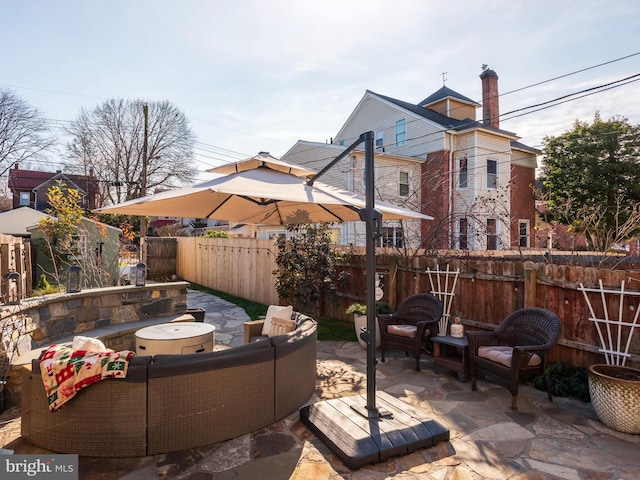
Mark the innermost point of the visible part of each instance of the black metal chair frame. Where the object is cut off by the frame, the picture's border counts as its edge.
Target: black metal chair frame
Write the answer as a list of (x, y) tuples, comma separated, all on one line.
[(529, 331), (421, 310)]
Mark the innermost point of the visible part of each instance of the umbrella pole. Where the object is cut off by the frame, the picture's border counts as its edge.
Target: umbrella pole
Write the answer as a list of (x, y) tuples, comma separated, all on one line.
[(373, 220)]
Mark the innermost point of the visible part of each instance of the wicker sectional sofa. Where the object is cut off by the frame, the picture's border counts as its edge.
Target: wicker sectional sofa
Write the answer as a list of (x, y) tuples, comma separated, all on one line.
[(174, 402)]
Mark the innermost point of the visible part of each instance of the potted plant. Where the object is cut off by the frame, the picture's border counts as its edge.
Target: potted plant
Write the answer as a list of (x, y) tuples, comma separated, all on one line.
[(615, 395), (359, 311), (615, 388)]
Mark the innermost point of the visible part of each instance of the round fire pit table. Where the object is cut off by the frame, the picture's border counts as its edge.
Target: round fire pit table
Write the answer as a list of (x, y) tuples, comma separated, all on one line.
[(175, 337)]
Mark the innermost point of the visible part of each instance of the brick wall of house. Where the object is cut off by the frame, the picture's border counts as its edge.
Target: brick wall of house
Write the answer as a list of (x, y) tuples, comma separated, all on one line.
[(435, 195), (522, 201)]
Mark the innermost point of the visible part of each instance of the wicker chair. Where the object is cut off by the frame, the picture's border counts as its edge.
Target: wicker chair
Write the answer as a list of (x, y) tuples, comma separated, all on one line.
[(414, 322), (531, 333)]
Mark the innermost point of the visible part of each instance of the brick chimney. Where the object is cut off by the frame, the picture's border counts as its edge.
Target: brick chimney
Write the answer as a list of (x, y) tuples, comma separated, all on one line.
[(490, 105)]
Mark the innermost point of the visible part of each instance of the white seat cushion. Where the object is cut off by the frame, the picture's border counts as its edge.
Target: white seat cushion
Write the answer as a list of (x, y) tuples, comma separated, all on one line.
[(503, 354), (275, 311), (408, 331)]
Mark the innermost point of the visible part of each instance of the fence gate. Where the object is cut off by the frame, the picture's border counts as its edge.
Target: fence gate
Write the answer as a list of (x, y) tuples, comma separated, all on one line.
[(161, 256)]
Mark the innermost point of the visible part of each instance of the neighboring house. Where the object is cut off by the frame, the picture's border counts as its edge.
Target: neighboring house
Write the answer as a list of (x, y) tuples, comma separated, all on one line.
[(474, 178), (16, 222), (95, 250), (30, 187), (397, 180)]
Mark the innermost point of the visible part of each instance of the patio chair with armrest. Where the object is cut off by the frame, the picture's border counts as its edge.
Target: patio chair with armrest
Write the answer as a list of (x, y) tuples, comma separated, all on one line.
[(519, 346), (411, 325)]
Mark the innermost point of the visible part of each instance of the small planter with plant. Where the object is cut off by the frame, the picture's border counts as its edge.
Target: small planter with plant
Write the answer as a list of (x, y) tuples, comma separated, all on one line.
[(359, 312)]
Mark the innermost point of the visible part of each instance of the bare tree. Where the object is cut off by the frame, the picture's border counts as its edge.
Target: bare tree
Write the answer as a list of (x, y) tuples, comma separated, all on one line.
[(23, 132), (109, 141)]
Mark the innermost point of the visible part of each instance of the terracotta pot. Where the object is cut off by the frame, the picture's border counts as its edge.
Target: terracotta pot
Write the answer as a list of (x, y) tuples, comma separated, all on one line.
[(615, 395)]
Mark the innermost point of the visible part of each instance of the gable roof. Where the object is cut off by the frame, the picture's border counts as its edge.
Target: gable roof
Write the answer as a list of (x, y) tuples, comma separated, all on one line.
[(30, 179), (446, 122), (446, 92), (63, 178), (16, 222), (526, 148), (426, 113)]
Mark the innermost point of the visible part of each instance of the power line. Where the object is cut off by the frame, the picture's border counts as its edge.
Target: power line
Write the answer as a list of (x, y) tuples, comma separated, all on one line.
[(569, 74), (232, 155), (472, 123)]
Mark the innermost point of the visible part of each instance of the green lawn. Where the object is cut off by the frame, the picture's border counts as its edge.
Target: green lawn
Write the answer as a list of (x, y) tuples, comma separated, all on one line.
[(329, 329)]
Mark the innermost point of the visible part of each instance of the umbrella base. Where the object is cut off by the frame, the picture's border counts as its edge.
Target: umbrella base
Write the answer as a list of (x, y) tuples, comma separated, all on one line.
[(359, 439)]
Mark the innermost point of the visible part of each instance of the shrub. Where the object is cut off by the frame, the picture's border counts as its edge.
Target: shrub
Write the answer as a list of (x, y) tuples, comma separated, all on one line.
[(566, 381)]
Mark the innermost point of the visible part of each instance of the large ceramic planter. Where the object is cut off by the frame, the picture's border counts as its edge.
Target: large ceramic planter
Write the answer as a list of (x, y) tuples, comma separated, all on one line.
[(360, 321), (615, 395)]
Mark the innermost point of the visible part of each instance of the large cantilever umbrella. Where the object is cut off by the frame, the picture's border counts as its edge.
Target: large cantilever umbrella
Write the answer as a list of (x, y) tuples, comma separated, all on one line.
[(261, 195), (264, 190)]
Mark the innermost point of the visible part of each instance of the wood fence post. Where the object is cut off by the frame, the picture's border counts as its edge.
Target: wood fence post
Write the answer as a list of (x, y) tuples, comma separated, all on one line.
[(530, 288), (5, 258), (393, 282)]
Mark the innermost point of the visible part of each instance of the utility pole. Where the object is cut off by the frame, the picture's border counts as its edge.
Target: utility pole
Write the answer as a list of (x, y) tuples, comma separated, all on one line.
[(143, 180)]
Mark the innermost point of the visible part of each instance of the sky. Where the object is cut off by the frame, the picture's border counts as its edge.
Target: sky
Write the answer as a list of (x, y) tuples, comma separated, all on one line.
[(259, 75)]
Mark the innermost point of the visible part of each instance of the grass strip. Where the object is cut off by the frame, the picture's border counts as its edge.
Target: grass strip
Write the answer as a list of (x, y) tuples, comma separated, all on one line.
[(329, 329)]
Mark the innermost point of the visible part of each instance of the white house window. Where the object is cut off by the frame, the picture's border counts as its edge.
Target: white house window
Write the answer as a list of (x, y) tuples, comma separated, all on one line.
[(401, 131), (380, 140), (492, 234), (492, 174), (464, 172), (391, 237), (404, 184), (463, 243), (25, 199), (523, 233)]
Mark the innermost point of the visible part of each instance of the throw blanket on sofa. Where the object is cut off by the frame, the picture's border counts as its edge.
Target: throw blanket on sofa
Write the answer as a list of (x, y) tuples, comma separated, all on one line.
[(65, 371)]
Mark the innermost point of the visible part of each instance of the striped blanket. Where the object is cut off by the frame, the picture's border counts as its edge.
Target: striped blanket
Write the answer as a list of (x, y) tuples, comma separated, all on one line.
[(65, 371)]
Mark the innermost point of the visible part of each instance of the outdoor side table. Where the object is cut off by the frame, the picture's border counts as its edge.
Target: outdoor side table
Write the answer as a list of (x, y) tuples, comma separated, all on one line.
[(175, 337), (453, 354)]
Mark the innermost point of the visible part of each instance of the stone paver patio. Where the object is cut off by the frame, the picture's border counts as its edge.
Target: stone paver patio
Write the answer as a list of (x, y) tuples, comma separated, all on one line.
[(559, 440)]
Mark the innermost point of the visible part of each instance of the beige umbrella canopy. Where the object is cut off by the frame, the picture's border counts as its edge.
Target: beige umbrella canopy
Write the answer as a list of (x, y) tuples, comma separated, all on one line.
[(260, 192), (263, 159)]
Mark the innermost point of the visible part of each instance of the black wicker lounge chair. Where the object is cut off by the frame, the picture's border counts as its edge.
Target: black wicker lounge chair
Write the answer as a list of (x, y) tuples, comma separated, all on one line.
[(518, 347), (414, 322)]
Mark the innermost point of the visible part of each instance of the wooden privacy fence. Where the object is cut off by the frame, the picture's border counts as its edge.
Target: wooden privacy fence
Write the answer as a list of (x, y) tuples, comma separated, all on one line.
[(487, 289), (241, 266)]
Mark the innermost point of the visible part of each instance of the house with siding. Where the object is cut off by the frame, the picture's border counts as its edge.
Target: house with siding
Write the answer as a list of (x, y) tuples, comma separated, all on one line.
[(29, 188), (396, 180), (475, 178)]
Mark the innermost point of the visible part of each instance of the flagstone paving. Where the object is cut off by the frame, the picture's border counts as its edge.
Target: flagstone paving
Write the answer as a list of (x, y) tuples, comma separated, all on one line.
[(559, 440)]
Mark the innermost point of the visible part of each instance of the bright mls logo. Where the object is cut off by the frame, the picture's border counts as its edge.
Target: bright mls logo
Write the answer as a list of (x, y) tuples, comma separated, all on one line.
[(50, 467)]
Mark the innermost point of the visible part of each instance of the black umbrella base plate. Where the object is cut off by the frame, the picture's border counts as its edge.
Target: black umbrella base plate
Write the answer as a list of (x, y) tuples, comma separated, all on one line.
[(358, 438)]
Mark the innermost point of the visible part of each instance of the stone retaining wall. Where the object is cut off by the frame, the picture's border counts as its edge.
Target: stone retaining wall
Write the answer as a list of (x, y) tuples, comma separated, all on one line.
[(42, 321)]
